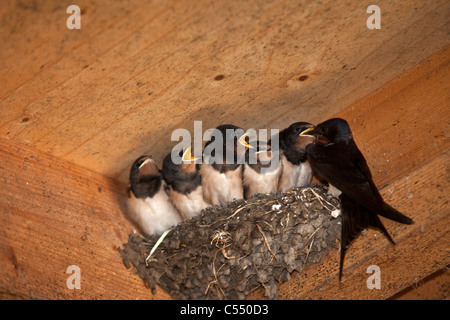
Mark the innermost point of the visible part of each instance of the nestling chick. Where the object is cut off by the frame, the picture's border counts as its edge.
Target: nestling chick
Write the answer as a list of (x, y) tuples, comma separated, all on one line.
[(221, 170), (296, 169), (148, 202), (262, 170), (185, 184)]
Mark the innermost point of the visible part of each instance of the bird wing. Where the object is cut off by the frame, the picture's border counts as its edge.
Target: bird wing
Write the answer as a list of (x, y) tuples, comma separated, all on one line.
[(345, 168), (356, 218)]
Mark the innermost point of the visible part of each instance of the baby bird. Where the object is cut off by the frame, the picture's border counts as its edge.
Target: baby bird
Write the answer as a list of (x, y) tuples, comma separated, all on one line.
[(296, 169), (262, 170), (221, 170), (148, 202), (185, 184)]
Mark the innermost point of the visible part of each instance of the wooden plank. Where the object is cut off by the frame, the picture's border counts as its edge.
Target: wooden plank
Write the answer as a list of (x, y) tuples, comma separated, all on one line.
[(117, 88), (434, 287), (54, 214), (404, 123), (44, 53)]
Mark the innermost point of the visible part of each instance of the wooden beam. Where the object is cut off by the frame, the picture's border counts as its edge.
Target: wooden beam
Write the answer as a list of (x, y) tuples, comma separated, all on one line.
[(403, 125), (54, 214), (137, 70), (434, 287)]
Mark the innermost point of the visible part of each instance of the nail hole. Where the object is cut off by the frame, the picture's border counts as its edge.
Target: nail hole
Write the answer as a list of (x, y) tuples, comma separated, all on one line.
[(303, 78), (219, 77), (25, 119)]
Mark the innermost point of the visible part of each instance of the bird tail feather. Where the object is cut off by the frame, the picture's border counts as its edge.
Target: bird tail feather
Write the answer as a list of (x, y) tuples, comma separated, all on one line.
[(393, 214), (356, 218)]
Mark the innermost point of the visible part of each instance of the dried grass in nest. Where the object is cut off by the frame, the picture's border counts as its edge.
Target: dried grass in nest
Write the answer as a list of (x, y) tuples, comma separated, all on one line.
[(227, 252)]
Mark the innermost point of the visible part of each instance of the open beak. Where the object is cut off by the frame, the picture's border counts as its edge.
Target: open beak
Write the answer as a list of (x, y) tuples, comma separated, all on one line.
[(304, 133), (266, 155), (147, 160), (244, 143), (187, 155)]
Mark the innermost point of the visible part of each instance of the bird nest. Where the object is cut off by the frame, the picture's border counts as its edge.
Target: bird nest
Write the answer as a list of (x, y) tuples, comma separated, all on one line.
[(227, 252)]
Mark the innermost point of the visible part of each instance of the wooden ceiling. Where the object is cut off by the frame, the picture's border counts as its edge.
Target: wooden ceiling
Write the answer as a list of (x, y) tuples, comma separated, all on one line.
[(103, 95)]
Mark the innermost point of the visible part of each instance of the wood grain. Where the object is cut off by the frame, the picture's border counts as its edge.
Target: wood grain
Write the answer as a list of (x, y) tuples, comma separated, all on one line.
[(434, 287), (103, 95), (404, 124), (54, 214)]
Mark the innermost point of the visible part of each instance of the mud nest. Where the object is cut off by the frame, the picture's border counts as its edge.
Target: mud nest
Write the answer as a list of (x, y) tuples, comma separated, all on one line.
[(227, 252)]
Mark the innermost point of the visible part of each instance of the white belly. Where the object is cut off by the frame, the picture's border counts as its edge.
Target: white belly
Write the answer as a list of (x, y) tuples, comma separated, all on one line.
[(220, 188), (256, 182), (188, 205), (294, 176), (153, 215)]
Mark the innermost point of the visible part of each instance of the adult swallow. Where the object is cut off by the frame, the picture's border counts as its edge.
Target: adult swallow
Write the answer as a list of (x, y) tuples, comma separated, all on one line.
[(223, 159), (296, 169), (262, 170), (335, 157), (184, 184), (148, 202)]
